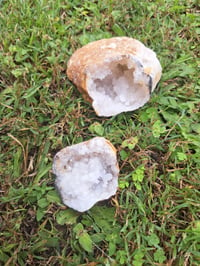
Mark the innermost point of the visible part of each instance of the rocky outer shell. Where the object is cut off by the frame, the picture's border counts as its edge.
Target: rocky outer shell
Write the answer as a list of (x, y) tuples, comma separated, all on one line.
[(95, 54)]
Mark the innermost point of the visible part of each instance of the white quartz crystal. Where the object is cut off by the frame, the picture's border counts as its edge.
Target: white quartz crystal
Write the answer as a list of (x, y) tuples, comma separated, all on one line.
[(86, 173), (119, 85)]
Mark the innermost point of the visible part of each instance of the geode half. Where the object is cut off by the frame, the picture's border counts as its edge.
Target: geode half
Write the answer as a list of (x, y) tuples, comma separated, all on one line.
[(86, 173), (116, 75)]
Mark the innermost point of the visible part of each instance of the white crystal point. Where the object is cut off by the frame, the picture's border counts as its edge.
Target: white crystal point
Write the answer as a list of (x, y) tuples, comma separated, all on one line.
[(86, 173)]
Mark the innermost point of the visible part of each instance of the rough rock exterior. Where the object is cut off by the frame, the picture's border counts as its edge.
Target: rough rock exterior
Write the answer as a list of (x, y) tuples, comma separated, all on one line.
[(115, 75), (86, 173)]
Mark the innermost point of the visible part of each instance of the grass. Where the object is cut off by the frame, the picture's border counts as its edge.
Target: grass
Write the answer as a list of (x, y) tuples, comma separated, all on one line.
[(154, 219)]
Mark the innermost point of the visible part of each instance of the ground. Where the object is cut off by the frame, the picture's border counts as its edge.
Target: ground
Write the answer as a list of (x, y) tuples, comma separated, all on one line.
[(154, 219)]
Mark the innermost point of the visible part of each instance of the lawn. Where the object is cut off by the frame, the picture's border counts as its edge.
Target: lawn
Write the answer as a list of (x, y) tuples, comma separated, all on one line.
[(154, 218)]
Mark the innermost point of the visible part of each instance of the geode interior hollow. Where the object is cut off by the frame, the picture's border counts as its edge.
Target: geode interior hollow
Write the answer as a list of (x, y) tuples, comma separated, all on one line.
[(116, 75), (86, 173)]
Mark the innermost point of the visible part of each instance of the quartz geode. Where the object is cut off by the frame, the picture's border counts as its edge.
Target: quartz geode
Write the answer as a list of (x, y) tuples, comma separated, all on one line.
[(116, 75), (86, 173)]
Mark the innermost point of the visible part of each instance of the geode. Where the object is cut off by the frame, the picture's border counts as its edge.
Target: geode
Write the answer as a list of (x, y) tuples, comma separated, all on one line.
[(116, 75), (86, 173)]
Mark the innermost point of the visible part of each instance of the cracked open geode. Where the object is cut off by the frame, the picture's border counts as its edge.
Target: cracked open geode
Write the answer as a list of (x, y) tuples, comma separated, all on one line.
[(86, 173), (116, 75)]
